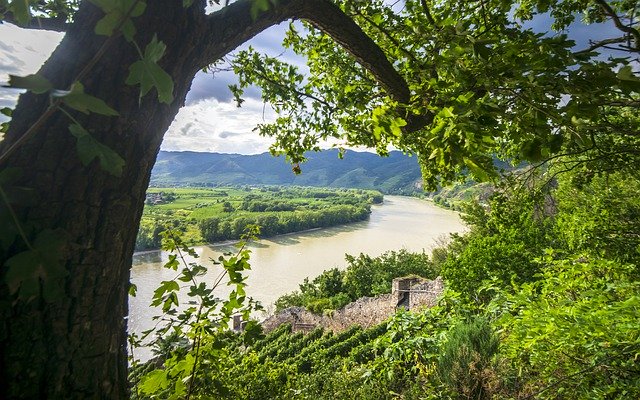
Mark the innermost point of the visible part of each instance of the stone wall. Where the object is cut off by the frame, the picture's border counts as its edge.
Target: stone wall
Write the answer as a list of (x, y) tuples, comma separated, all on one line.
[(408, 292), (425, 293)]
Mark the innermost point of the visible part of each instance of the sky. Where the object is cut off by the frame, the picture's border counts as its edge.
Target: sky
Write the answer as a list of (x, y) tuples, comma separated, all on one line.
[(210, 120)]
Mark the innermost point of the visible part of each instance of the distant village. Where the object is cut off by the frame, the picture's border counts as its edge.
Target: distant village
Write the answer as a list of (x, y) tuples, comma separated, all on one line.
[(154, 199)]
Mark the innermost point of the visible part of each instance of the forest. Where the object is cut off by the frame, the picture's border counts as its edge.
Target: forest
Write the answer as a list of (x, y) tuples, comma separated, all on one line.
[(542, 292), (214, 215)]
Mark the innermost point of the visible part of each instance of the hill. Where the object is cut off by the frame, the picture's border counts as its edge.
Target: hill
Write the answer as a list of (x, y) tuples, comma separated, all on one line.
[(397, 173)]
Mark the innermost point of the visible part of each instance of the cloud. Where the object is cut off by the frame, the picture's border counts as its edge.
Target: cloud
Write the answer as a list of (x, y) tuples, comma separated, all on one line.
[(216, 126), (227, 134), (211, 86), (216, 85), (23, 51), (209, 122)]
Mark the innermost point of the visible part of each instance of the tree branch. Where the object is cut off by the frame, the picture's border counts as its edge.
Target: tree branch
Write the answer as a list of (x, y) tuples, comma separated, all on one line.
[(58, 24), (427, 12), (618, 23), (602, 43), (389, 36), (233, 25)]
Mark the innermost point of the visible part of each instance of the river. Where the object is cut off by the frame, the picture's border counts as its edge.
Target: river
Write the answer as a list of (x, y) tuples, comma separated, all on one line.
[(281, 263)]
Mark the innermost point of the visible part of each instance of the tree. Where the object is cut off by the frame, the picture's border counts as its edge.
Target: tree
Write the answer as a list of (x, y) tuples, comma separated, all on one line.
[(456, 82), (63, 301), (481, 84)]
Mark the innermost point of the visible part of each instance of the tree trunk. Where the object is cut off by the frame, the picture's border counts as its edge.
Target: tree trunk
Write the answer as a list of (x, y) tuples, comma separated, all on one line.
[(75, 347)]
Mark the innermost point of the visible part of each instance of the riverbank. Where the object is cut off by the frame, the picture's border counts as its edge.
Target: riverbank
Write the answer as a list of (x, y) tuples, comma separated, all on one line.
[(205, 215), (230, 243), (279, 264)]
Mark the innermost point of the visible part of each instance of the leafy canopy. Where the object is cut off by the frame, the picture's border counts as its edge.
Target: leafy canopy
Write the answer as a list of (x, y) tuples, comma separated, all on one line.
[(481, 82)]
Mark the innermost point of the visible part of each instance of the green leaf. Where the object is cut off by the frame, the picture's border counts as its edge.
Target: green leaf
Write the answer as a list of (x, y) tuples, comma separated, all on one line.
[(139, 8), (149, 74), (172, 298), (88, 149), (629, 82), (173, 262), (118, 14), (34, 83), (108, 24), (133, 289), (79, 100), (396, 126), (481, 51), (7, 111), (478, 172), (447, 112), (28, 269), (154, 50), (21, 12), (165, 286), (626, 74), (154, 381)]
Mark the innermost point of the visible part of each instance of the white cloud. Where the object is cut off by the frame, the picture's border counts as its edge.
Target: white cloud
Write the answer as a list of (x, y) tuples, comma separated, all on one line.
[(23, 51), (214, 126), (210, 85)]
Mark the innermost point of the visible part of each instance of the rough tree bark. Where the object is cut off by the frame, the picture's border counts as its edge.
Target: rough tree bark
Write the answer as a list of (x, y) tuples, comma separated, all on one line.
[(76, 347)]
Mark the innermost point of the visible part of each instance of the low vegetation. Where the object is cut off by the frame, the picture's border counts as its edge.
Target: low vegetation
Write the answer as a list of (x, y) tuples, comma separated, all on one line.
[(217, 214), (542, 302)]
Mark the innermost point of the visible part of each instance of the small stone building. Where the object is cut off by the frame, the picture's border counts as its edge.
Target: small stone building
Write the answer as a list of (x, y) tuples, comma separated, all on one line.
[(412, 292)]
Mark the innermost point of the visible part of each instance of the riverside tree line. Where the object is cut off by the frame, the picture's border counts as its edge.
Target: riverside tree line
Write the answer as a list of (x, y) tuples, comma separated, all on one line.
[(213, 215)]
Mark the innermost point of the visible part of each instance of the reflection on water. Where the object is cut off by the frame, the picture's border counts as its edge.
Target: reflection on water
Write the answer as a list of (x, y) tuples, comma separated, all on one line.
[(281, 263)]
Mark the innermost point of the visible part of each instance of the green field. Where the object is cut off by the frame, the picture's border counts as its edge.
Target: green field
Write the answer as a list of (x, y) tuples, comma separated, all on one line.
[(216, 214)]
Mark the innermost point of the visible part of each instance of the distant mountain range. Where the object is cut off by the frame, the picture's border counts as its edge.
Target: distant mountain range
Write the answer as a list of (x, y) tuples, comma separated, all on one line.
[(397, 173)]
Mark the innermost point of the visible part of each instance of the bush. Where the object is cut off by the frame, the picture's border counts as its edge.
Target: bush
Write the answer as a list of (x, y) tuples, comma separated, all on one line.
[(465, 365)]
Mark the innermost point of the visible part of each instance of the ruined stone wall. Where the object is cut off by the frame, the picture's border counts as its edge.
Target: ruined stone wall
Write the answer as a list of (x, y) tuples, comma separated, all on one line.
[(410, 292), (425, 294)]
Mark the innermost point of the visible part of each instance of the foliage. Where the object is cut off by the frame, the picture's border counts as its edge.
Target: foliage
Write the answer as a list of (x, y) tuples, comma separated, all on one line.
[(569, 330), (466, 357), (503, 243), (481, 84), (574, 332), (211, 215), (190, 340), (363, 276), (477, 83), (600, 215)]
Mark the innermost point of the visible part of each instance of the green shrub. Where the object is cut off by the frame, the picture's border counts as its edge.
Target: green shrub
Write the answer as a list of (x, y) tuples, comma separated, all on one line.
[(465, 365)]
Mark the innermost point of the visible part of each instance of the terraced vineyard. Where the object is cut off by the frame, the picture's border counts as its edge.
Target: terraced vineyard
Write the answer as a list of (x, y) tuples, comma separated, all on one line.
[(287, 358)]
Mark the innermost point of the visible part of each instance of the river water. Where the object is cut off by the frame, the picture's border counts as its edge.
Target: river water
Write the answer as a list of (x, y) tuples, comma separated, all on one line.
[(281, 263)]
